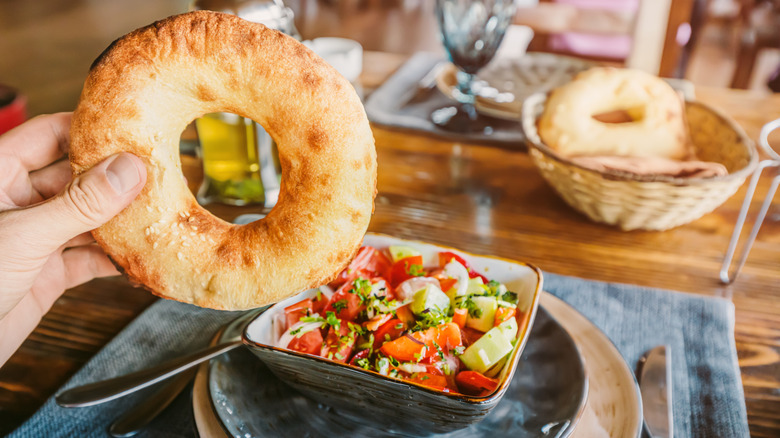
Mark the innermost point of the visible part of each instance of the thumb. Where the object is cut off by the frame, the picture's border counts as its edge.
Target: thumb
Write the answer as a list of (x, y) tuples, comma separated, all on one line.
[(89, 201)]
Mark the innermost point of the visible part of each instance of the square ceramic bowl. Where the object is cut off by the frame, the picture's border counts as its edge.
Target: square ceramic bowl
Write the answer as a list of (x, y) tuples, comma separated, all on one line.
[(393, 404)]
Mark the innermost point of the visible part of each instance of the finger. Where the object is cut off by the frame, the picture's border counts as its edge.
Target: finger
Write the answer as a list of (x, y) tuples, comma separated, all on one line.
[(80, 240), (84, 263), (90, 200), (17, 324), (39, 141), (51, 179)]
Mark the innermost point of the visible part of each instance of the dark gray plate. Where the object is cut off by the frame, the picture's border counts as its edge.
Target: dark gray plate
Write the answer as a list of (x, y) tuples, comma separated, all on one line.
[(545, 398)]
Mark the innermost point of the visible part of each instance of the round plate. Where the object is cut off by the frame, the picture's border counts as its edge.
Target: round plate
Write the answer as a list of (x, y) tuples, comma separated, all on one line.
[(546, 396), (532, 73), (614, 406)]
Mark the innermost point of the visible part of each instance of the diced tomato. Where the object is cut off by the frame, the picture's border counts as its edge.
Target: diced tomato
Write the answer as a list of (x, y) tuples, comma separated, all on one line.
[(503, 314), (522, 318), (405, 269), (404, 313), (377, 321), (405, 349), (388, 331), (448, 336), (309, 342), (459, 317), (470, 335), (369, 262), (318, 303), (446, 257), (424, 343), (429, 380), (339, 343), (345, 304), (447, 283), (475, 383), (295, 312), (362, 354)]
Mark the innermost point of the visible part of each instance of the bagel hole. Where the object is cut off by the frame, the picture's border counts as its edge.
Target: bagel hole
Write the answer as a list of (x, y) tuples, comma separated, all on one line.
[(233, 149), (625, 115)]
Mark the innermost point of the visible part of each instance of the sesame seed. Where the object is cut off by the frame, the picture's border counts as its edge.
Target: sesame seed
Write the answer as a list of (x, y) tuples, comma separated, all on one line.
[(154, 245), (202, 237), (179, 255)]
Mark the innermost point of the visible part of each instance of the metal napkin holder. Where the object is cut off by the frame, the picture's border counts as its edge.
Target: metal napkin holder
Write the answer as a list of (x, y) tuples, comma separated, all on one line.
[(727, 275)]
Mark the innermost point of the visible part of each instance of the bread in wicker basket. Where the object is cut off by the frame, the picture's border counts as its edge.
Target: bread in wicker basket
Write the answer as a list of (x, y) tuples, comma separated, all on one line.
[(650, 202)]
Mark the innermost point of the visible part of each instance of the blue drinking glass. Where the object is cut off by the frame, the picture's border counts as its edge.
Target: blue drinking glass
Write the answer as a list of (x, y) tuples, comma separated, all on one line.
[(471, 31)]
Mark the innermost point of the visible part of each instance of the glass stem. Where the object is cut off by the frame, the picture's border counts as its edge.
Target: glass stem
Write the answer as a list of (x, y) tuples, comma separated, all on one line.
[(464, 93)]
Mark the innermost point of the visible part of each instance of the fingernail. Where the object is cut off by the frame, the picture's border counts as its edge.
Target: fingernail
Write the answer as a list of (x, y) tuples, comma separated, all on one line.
[(122, 173)]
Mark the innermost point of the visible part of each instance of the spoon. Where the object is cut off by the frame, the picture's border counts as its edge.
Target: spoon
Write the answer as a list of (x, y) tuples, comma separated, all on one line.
[(111, 389)]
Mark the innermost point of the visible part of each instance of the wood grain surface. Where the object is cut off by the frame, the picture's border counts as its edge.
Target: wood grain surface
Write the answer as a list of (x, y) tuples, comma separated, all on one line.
[(483, 200)]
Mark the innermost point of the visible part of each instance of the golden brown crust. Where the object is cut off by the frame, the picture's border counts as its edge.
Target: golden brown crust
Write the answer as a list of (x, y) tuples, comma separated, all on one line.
[(144, 90), (568, 127)]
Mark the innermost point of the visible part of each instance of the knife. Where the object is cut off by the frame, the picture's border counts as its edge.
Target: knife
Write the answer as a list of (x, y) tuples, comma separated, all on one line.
[(655, 385)]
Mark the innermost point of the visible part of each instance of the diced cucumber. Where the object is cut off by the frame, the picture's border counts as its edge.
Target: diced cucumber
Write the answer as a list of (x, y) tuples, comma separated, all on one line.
[(495, 370), (476, 287), (487, 351), (502, 303), (431, 297), (398, 252), (509, 328), (499, 290), (487, 314)]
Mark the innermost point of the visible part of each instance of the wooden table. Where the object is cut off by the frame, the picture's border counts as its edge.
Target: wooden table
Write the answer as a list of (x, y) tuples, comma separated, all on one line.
[(483, 200)]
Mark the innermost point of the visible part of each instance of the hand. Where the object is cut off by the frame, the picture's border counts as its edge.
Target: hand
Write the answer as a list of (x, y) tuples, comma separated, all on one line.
[(45, 219)]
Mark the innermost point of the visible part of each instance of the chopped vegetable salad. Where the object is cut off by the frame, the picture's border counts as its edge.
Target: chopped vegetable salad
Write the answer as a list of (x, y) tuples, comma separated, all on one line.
[(446, 327)]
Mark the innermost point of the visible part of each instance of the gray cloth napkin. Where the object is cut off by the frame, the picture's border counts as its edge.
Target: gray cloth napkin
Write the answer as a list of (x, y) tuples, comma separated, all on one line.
[(397, 104), (708, 397)]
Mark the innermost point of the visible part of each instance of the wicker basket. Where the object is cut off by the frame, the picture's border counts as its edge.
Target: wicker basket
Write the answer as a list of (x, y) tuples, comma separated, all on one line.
[(659, 203)]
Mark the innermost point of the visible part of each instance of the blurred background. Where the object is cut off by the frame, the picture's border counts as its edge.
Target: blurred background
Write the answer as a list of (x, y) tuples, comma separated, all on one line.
[(48, 45)]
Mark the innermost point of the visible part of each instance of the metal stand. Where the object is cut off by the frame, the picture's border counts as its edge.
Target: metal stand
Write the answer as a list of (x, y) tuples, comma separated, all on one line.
[(727, 275)]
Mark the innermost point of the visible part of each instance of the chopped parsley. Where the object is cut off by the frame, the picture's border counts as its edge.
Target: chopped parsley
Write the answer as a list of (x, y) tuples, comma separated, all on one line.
[(468, 303), (333, 320), (431, 318), (414, 269), (362, 288), (313, 318), (340, 305), (509, 297)]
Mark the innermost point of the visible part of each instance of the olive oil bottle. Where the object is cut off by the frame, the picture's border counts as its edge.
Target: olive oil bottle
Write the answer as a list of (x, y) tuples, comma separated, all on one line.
[(231, 167)]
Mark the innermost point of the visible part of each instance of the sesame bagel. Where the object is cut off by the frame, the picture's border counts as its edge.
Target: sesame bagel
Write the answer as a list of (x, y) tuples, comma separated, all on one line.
[(149, 85)]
